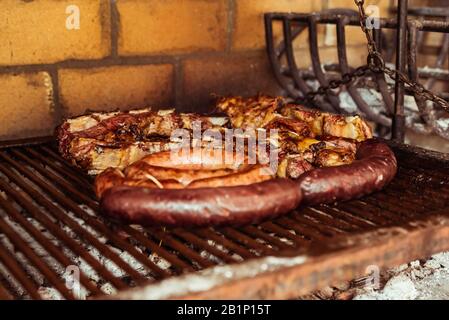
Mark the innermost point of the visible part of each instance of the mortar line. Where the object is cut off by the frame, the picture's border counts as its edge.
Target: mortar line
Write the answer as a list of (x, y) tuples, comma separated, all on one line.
[(230, 25), (58, 112), (123, 61), (115, 26), (178, 76)]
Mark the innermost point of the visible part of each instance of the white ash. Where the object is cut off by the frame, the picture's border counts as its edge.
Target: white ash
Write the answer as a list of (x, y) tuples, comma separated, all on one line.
[(209, 256), (285, 240), (159, 261), (45, 288), (15, 286), (432, 70), (371, 96), (34, 246), (218, 246), (433, 122), (443, 123), (108, 289), (48, 293), (414, 281), (115, 270)]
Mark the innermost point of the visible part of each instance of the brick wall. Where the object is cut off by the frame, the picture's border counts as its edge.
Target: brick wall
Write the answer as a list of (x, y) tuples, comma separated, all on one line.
[(135, 53)]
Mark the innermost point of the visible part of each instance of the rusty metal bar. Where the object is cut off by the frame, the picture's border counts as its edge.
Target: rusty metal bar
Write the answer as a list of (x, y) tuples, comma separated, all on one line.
[(18, 273), (398, 128), (394, 108), (145, 241), (336, 224), (203, 244), (95, 223), (344, 68), (33, 231), (35, 260), (274, 58), (316, 65), (282, 232), (427, 25), (72, 176), (4, 295), (299, 81), (269, 239), (380, 78), (32, 194), (92, 222), (355, 221), (246, 241), (413, 64), (230, 245), (167, 240), (442, 56), (52, 227), (44, 242)]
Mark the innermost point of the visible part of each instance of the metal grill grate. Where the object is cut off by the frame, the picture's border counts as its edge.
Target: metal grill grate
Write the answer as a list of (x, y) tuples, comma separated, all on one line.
[(48, 223)]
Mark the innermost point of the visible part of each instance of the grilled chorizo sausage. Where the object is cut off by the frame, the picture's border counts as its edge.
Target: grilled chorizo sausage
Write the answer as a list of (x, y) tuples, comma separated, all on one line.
[(235, 205), (217, 204), (374, 167)]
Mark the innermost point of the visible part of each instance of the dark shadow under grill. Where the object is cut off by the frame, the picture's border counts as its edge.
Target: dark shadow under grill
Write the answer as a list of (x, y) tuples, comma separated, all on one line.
[(49, 225)]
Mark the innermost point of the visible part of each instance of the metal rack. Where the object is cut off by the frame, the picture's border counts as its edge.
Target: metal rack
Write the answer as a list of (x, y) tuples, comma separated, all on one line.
[(49, 221), (409, 35)]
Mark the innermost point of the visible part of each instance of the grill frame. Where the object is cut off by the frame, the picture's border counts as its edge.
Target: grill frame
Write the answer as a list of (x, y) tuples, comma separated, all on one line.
[(391, 117), (339, 242)]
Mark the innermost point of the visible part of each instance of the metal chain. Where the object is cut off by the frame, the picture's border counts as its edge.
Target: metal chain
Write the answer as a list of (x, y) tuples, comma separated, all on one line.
[(336, 83), (376, 64)]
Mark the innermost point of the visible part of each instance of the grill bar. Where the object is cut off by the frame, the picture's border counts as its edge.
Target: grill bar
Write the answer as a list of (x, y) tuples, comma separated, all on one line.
[(80, 182), (410, 44), (233, 247), (72, 206), (202, 244), (69, 242), (174, 244), (4, 295), (14, 267), (66, 168), (34, 232), (35, 260), (283, 233), (48, 204)]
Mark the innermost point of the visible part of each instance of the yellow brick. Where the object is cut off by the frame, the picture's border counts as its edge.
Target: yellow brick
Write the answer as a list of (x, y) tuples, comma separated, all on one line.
[(170, 26), (26, 105), (35, 32), (354, 34), (429, 60), (117, 87), (433, 39), (328, 55), (249, 31), (350, 4)]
